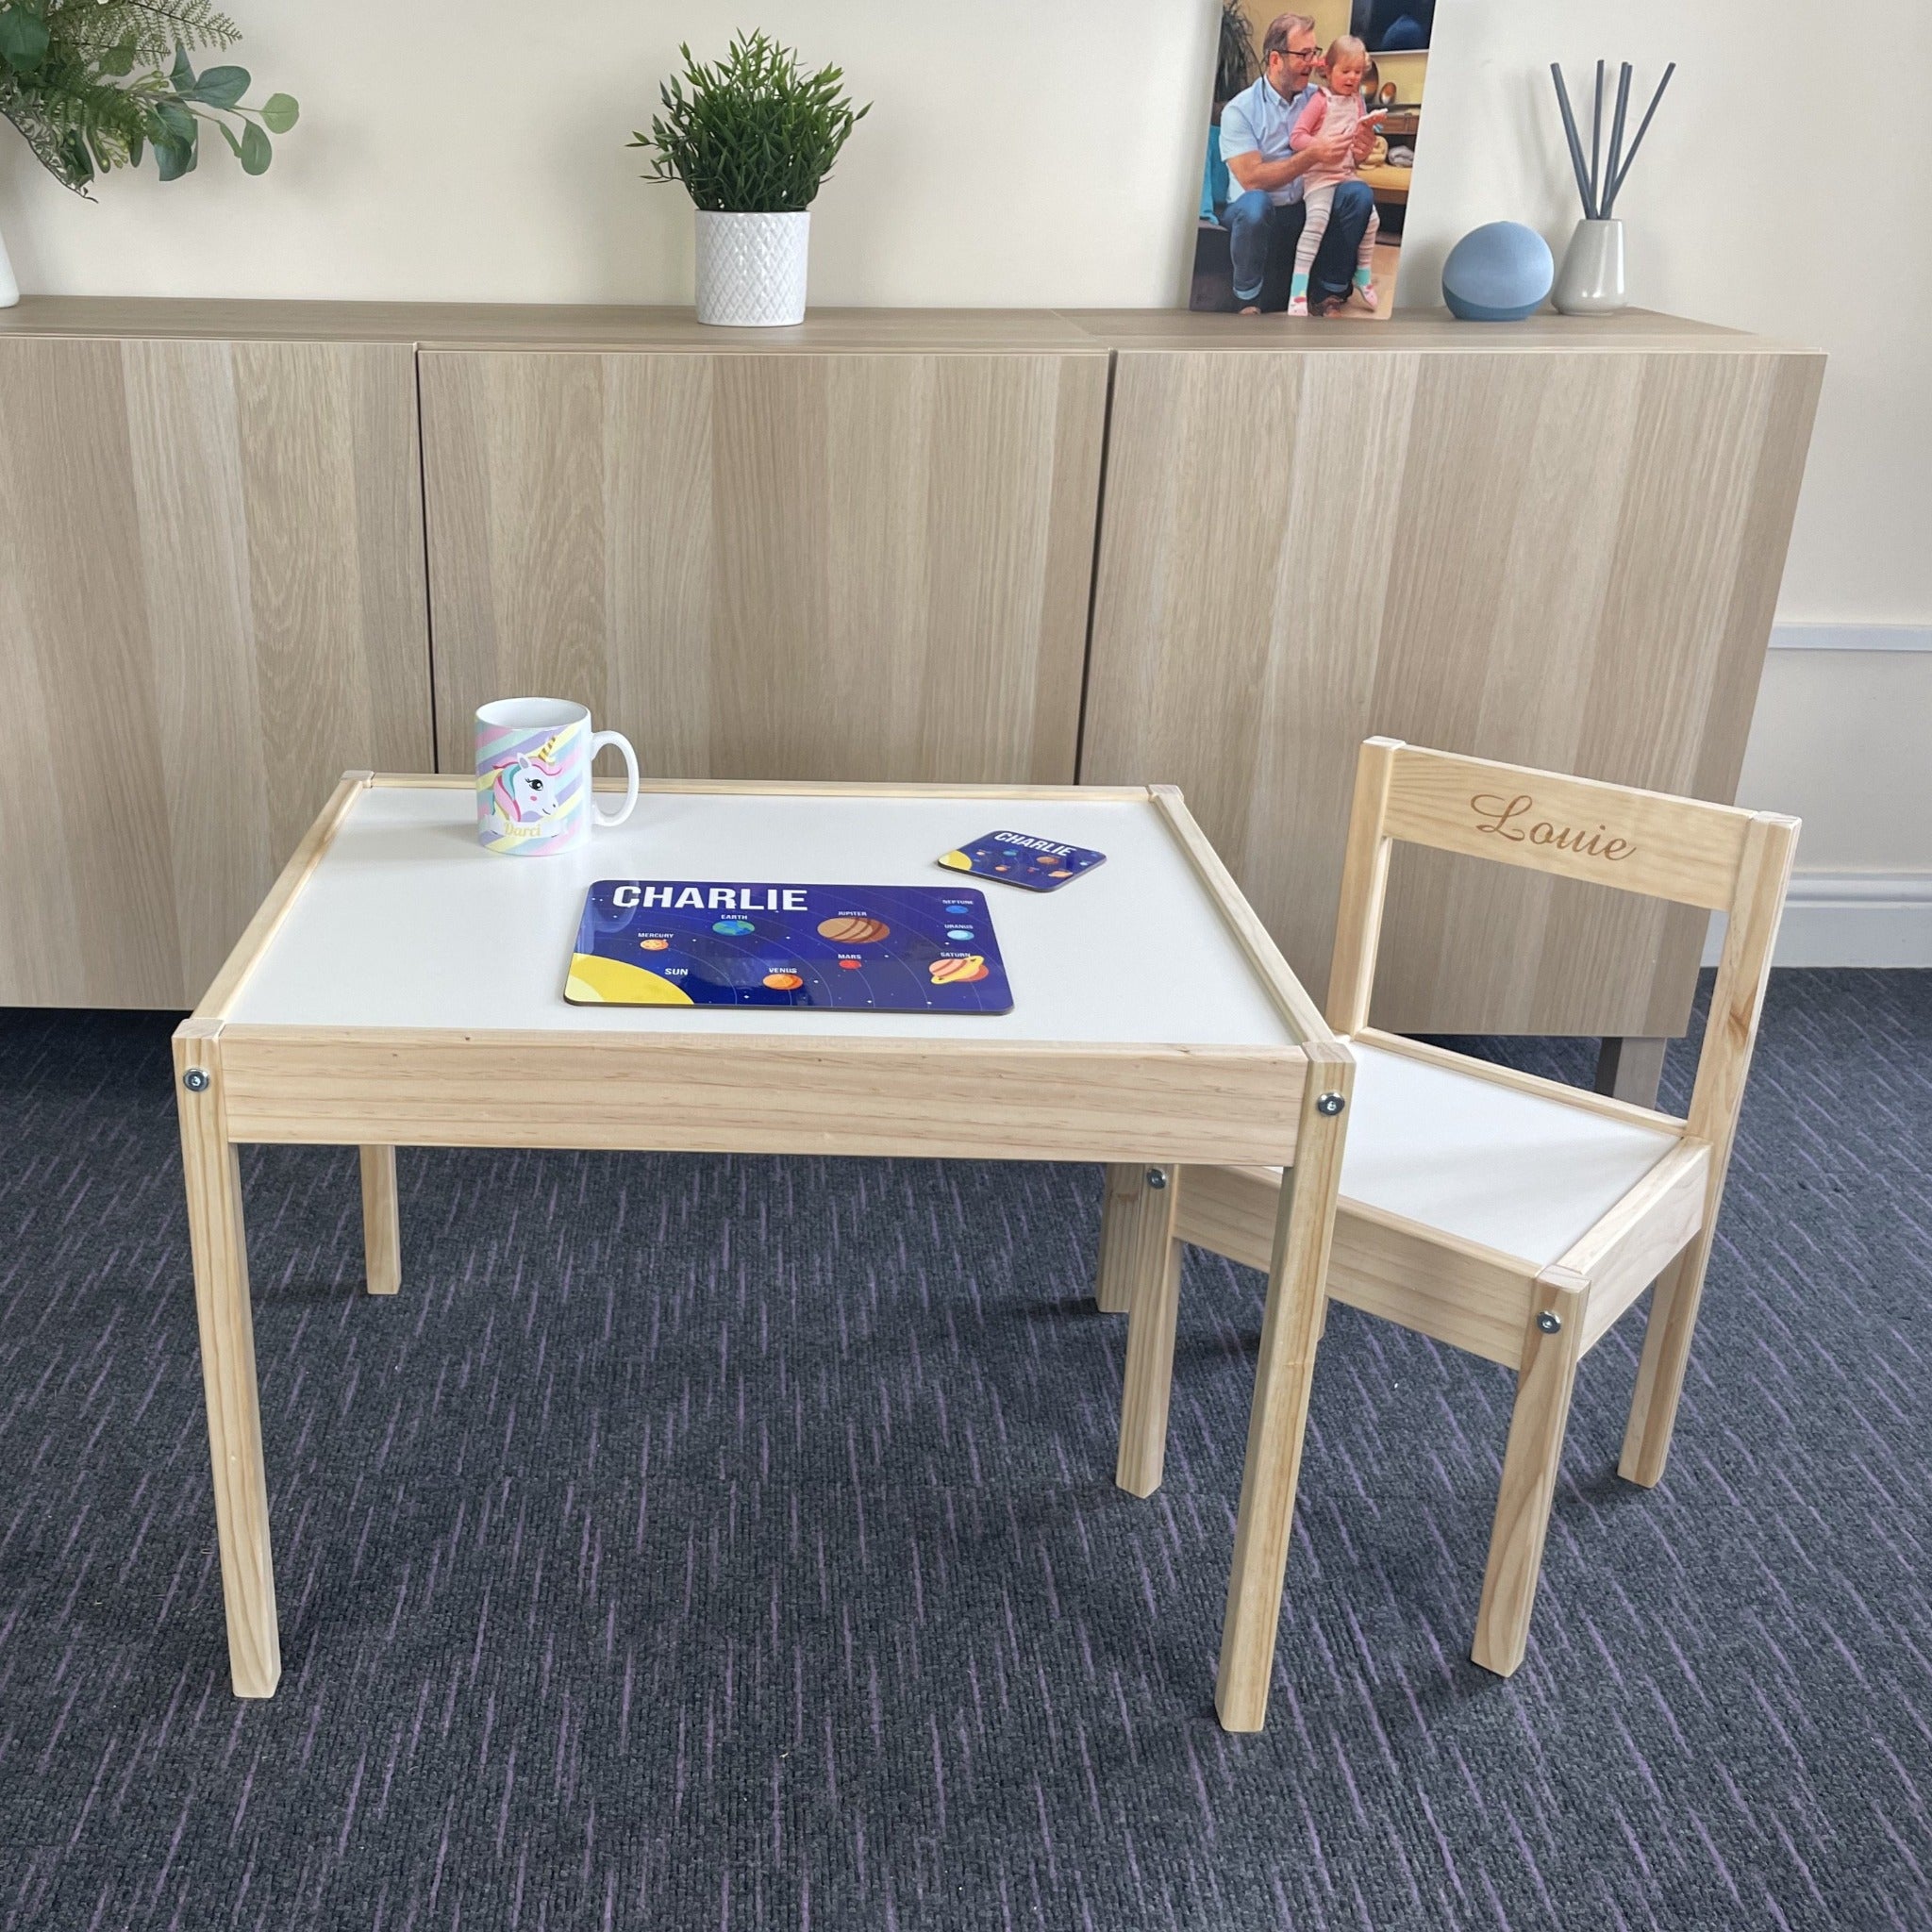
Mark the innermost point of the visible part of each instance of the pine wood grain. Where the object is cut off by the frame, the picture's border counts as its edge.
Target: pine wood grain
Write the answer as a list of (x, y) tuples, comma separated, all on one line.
[(1530, 1464), (734, 1092), (212, 603), (1120, 1260), (1730, 1034), (382, 1230), (211, 1167), (1566, 558), (784, 566), (1277, 1423), (1143, 1225)]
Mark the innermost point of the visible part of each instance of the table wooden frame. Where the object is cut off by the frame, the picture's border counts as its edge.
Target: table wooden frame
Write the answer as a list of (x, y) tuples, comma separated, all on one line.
[(1143, 1108)]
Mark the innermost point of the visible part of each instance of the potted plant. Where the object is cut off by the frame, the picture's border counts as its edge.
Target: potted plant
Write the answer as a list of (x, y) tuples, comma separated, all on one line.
[(753, 140), (74, 80)]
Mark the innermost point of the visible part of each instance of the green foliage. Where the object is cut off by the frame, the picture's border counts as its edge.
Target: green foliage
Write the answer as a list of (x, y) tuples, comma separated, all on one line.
[(69, 83), (753, 134)]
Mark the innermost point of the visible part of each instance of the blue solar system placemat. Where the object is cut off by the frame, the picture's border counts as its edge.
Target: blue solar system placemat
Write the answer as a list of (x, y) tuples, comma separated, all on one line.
[(1018, 859), (892, 949)]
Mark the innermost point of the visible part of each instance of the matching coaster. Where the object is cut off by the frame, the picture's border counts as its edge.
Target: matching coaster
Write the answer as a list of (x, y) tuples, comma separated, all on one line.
[(1018, 858)]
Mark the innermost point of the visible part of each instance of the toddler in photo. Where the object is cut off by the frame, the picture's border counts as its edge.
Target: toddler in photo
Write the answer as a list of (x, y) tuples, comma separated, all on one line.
[(1338, 108)]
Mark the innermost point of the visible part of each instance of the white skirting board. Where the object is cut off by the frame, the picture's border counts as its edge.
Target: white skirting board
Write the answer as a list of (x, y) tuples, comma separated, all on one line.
[(1850, 637), (1850, 919)]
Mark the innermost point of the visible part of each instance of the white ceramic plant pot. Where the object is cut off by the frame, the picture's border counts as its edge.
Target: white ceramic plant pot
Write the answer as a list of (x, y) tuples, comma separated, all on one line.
[(1591, 281), (10, 288), (751, 269)]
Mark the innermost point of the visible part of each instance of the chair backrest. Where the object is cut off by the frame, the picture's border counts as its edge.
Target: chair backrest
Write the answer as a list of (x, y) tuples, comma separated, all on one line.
[(1683, 849)]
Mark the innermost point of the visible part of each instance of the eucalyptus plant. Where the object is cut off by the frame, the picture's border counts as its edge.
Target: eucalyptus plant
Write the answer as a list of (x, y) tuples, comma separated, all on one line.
[(81, 80), (753, 134)]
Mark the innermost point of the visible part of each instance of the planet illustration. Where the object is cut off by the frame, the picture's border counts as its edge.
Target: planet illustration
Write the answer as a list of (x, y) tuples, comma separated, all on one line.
[(958, 932), (851, 929), (852, 965), (957, 860), (654, 945), (732, 926), (783, 982), (1061, 873), (958, 972), (955, 911), (595, 981)]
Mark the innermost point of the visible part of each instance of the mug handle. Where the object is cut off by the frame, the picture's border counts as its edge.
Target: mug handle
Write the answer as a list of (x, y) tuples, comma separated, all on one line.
[(598, 741)]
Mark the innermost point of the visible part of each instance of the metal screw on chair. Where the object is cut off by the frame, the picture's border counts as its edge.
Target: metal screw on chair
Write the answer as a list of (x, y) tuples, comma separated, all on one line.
[(195, 1079), (1550, 1322), (1157, 1176), (1330, 1103)]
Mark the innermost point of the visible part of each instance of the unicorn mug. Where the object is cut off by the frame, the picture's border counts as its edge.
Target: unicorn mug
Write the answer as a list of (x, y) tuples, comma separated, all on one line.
[(533, 776)]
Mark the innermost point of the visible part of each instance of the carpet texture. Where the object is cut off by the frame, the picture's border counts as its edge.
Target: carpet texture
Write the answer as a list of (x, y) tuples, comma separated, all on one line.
[(731, 1543)]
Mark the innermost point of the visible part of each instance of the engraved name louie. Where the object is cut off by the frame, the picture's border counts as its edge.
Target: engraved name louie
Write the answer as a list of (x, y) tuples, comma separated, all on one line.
[(1514, 819)]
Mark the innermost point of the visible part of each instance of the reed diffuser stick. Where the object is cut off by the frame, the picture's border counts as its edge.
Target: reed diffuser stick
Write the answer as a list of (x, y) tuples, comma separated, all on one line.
[(1642, 128), (1603, 211), (1583, 184), (1595, 197)]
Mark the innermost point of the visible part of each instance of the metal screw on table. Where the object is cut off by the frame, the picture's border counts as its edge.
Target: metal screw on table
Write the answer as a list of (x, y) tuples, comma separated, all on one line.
[(1550, 1322), (195, 1079), (1330, 1103), (1157, 1176)]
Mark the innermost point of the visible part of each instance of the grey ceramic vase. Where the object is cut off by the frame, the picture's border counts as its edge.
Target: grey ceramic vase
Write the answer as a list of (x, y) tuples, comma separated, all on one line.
[(1591, 281)]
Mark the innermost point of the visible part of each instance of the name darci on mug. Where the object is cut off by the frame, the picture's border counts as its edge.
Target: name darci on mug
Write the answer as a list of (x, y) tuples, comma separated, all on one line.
[(1501, 815)]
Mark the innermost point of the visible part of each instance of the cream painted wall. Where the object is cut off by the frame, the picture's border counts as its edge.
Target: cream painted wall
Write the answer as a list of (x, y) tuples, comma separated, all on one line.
[(476, 153), (1841, 738), (1039, 155)]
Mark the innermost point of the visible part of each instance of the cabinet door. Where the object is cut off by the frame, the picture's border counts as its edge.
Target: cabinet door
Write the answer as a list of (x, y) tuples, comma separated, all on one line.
[(1563, 559), (770, 565), (212, 606)]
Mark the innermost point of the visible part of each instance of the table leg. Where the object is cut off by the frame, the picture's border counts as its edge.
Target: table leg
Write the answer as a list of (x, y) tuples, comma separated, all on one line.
[(211, 1167), (1121, 1204), (1149, 1258), (382, 1223), (1298, 1289)]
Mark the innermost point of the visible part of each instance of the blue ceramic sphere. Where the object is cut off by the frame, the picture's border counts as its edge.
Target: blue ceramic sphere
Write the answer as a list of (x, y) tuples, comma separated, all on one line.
[(1498, 272)]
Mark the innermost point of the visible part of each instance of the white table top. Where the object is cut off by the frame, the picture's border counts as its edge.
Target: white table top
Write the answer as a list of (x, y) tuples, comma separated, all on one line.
[(408, 922)]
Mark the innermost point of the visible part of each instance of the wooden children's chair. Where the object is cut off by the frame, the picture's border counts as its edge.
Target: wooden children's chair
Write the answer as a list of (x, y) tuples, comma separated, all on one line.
[(1508, 1215)]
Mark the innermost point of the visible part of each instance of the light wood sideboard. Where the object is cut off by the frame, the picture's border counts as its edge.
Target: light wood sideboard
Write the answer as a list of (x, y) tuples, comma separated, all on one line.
[(955, 545), (211, 605), (859, 563), (1556, 548)]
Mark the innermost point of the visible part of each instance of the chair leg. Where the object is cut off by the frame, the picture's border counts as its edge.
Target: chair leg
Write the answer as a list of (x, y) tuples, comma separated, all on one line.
[(382, 1244), (1120, 1208), (1553, 1345), (1660, 1373), (1147, 1261)]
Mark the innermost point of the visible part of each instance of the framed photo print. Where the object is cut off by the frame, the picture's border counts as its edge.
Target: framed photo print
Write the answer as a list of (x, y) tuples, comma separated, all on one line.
[(1308, 154)]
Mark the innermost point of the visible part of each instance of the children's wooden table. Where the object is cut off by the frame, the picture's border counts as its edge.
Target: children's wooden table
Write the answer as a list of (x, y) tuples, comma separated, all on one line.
[(402, 987)]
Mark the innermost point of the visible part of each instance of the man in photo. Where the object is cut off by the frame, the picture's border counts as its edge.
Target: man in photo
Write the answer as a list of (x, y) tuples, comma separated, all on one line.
[(1264, 217)]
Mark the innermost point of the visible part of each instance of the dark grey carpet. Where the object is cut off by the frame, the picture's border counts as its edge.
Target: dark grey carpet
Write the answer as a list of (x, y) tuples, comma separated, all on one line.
[(731, 1543)]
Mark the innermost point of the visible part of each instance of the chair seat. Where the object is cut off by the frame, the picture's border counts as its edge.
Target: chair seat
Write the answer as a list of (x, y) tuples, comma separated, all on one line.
[(1484, 1162)]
